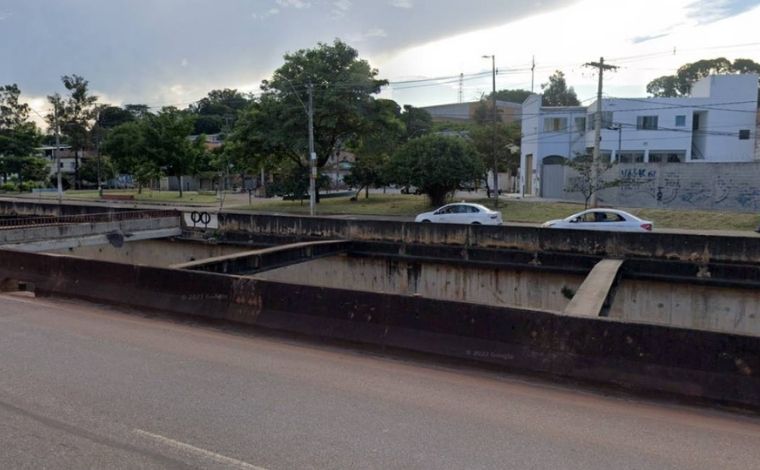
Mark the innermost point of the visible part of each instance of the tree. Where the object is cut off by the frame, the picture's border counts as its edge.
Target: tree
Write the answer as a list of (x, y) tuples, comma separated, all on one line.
[(513, 96), (436, 165), (418, 121), (109, 116), (587, 181), (94, 170), (343, 85), (74, 115), (506, 139), (138, 111), (385, 132), (557, 93), (680, 84), (166, 142), (125, 144), (18, 136)]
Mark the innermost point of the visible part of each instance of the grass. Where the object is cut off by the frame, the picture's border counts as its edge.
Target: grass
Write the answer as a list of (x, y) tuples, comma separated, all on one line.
[(145, 196), (512, 211)]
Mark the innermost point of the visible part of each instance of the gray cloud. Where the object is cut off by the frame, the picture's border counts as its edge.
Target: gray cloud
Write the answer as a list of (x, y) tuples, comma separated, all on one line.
[(139, 50), (708, 11)]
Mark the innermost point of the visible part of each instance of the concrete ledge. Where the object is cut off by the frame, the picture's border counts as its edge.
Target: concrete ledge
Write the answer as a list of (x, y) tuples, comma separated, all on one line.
[(250, 262), (592, 295), (719, 367)]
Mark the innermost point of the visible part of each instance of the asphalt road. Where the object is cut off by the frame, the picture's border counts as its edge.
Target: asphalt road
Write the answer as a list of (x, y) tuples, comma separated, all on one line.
[(86, 386)]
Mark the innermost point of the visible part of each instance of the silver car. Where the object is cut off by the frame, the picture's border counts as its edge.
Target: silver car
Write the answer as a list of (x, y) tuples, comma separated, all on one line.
[(461, 213), (603, 219)]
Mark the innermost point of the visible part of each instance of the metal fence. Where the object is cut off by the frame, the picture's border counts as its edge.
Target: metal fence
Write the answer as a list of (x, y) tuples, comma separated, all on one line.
[(46, 220)]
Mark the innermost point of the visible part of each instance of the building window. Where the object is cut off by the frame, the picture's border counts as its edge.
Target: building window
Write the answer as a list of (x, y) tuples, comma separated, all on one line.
[(667, 157), (744, 134), (681, 121), (631, 157), (555, 124), (580, 124), (606, 120), (646, 123)]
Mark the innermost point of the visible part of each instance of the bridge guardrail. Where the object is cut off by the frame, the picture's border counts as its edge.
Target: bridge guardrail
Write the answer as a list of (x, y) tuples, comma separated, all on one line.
[(45, 220)]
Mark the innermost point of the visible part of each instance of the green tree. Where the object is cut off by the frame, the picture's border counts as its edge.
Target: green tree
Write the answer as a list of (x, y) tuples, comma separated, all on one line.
[(165, 137), (75, 116), (418, 121), (436, 165), (94, 168), (557, 93), (385, 132), (680, 84), (18, 136), (586, 181), (343, 88), (513, 96), (125, 144), (506, 140)]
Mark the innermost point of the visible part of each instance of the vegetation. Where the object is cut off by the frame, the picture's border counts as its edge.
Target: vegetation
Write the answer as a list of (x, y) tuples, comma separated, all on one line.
[(436, 165), (557, 93), (588, 180), (18, 139), (680, 84)]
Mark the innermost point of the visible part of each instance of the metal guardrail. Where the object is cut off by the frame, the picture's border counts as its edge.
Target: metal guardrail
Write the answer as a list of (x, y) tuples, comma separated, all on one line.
[(47, 220)]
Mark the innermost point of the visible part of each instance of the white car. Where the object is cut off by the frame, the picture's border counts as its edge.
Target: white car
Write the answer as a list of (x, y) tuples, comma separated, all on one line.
[(461, 213), (603, 219)]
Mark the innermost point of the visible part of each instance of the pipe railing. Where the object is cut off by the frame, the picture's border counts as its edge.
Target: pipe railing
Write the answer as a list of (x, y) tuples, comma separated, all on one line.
[(46, 220)]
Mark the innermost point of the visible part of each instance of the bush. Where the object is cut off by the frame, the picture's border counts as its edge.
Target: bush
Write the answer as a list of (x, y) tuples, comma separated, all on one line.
[(8, 187)]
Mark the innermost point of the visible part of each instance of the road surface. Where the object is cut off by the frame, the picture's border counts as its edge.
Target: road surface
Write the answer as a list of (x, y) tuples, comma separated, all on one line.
[(87, 386)]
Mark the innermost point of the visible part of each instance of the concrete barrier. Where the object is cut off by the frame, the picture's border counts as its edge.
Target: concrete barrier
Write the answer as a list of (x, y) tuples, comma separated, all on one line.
[(239, 227), (718, 367)]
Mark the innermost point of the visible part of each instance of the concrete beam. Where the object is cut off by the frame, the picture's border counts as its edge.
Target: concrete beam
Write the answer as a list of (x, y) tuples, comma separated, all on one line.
[(250, 262), (592, 295), (25, 235)]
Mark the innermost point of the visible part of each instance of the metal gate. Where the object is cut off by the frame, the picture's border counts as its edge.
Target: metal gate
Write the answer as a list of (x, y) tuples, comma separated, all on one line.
[(553, 177)]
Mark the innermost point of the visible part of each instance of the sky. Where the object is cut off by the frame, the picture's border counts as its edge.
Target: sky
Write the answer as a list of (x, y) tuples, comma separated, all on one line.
[(172, 52)]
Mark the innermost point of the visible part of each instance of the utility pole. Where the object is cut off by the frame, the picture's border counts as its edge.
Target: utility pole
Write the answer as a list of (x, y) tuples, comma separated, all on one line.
[(312, 156), (493, 137), (532, 73), (597, 126), (461, 87), (58, 152)]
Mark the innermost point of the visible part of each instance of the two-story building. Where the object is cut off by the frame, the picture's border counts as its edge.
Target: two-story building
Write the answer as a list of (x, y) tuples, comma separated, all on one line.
[(718, 122)]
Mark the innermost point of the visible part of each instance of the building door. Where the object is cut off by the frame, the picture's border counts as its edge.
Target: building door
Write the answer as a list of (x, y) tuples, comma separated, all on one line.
[(553, 177), (528, 174)]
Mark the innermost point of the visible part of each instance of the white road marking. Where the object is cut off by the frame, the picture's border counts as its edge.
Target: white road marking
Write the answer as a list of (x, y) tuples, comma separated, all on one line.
[(206, 453)]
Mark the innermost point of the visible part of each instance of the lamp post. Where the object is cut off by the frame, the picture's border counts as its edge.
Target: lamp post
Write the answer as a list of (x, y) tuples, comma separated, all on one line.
[(493, 122)]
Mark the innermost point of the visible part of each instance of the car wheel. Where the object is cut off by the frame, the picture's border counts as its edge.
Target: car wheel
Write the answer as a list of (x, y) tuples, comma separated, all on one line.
[(426, 221), (476, 223)]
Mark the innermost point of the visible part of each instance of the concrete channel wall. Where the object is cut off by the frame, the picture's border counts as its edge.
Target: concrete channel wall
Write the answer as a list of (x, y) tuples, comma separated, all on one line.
[(500, 287), (238, 227), (703, 365), (159, 253)]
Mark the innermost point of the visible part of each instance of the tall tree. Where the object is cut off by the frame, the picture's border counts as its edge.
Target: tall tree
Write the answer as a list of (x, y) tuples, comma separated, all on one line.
[(680, 84), (385, 132), (557, 93), (166, 142), (513, 96), (75, 116), (418, 121), (436, 165), (18, 135), (343, 89)]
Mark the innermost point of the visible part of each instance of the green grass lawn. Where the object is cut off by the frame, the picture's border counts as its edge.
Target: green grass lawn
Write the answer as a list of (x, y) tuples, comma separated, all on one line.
[(512, 211), (188, 197)]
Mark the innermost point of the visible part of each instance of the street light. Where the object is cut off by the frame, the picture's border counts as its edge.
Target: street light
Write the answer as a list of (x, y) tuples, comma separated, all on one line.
[(493, 118)]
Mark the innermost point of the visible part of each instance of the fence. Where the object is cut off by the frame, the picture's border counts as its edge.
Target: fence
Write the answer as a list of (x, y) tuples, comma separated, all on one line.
[(46, 220)]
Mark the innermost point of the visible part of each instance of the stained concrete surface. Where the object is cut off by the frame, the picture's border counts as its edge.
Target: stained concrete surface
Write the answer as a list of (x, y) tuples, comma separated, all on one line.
[(84, 386), (499, 287), (159, 253), (698, 307)]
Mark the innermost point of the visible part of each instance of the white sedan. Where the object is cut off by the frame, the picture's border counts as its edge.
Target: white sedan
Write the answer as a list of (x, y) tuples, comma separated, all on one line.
[(461, 213), (603, 219)]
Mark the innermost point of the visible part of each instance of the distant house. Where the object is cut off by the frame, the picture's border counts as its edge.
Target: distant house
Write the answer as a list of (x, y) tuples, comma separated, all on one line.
[(717, 123), (68, 160), (465, 112), (213, 141)]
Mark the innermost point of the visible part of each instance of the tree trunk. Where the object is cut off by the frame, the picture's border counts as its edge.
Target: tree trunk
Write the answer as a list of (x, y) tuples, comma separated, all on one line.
[(180, 185), (366, 192)]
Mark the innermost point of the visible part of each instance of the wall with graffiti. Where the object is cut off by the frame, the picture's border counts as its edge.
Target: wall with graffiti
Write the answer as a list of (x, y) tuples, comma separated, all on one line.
[(707, 186)]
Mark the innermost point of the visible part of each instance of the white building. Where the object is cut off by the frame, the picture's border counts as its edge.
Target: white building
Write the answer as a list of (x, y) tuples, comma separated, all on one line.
[(718, 122)]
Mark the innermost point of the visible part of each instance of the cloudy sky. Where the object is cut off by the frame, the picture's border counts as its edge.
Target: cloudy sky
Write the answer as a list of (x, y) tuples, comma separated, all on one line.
[(164, 52)]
